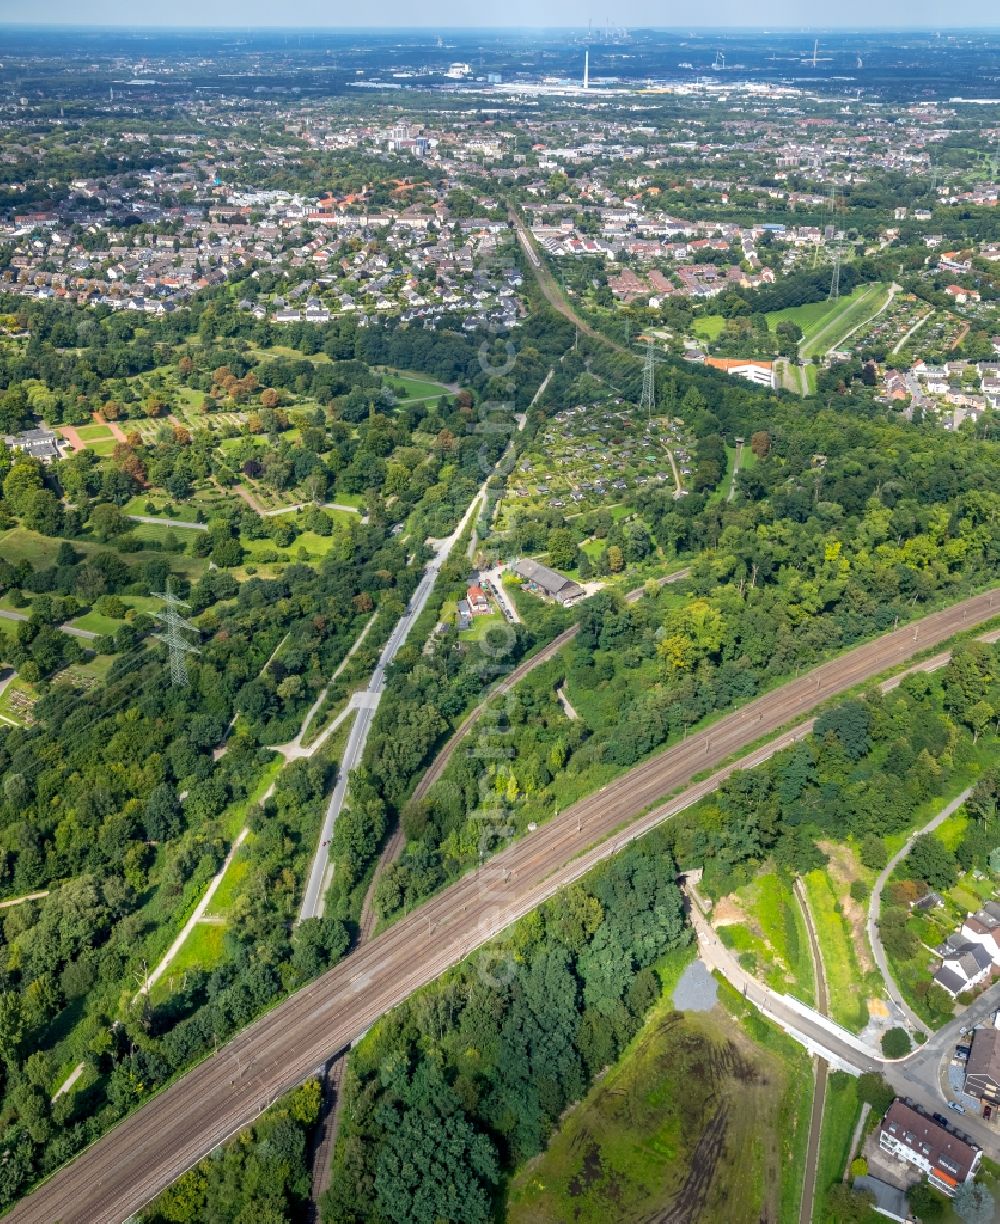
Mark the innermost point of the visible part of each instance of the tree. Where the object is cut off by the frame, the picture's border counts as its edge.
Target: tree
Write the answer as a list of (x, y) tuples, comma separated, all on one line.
[(850, 723), (974, 1204), (760, 443), (931, 860), (847, 1206), (40, 510), (107, 521), (925, 1202), (896, 1043), (873, 853)]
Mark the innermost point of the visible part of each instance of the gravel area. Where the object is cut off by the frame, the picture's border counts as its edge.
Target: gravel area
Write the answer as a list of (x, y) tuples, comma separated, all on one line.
[(696, 990)]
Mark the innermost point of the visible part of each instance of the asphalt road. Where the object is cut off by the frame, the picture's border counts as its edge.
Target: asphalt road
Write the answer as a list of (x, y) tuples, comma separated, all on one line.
[(312, 901), (875, 906), (154, 1145), (87, 634)]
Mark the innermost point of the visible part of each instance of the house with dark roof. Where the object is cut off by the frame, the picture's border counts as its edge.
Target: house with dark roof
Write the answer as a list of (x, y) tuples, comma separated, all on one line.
[(546, 581), (890, 1201), (964, 966), (945, 1159), (982, 1070), (41, 444)]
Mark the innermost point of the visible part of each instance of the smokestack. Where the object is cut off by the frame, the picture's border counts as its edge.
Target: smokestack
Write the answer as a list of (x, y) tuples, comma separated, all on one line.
[(586, 70)]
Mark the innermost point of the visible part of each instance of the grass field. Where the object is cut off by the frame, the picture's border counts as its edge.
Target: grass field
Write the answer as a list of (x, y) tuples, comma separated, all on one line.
[(841, 1111), (843, 976), (480, 627), (643, 1146), (94, 433), (831, 330), (709, 327), (772, 903), (97, 622), (808, 316)]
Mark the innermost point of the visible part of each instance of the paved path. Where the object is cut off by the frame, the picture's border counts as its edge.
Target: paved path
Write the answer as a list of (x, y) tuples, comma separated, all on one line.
[(875, 903), (294, 748), (118, 1174), (72, 630), (157, 521)]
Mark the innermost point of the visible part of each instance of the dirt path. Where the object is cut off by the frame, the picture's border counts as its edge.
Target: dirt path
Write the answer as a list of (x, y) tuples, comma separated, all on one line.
[(822, 1067), (72, 437), (35, 896), (564, 701), (736, 471), (195, 918)]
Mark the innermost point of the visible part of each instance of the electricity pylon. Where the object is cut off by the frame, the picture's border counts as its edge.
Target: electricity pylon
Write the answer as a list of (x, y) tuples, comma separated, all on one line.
[(835, 278), (178, 647), (648, 401)]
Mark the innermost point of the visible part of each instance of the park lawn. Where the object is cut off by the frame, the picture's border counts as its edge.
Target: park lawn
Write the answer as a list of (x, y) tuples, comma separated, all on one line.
[(841, 1110), (844, 980), (94, 433), (97, 622), (415, 386), (348, 499), (709, 327), (315, 546), (642, 1143), (811, 374), (103, 448)]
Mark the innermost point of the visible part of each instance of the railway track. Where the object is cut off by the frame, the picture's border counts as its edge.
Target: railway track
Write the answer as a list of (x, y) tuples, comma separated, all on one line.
[(141, 1156)]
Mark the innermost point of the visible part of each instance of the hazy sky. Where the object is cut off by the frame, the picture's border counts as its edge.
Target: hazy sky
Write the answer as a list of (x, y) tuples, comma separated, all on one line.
[(441, 13)]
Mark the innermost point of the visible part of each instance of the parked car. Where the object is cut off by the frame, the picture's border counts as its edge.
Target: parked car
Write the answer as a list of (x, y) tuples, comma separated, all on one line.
[(956, 1107), (940, 1119)]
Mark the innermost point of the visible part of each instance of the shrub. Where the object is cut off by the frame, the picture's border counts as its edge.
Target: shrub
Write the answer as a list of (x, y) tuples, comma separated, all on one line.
[(896, 1043)]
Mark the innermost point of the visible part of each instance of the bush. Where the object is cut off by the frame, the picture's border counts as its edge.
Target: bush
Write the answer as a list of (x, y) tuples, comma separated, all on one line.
[(859, 1167), (896, 1043), (859, 890)]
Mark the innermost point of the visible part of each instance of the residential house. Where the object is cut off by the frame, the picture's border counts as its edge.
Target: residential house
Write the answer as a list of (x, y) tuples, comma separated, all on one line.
[(547, 581), (982, 1070), (964, 966), (477, 601), (946, 1160), (40, 444)]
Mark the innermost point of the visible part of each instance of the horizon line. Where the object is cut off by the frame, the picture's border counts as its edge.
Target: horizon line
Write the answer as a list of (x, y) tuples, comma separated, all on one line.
[(768, 28)]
